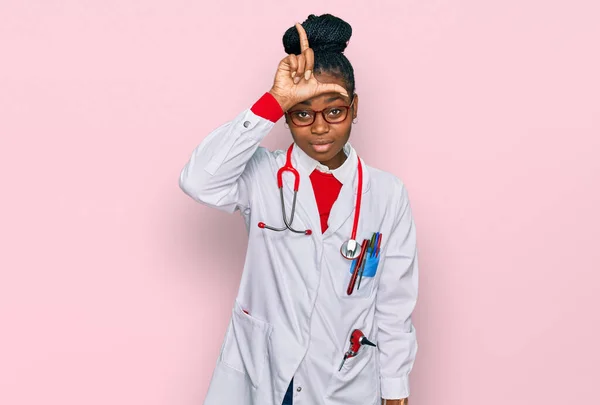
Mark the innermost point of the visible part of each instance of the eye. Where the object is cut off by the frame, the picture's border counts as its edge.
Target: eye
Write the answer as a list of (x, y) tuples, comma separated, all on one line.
[(302, 115), (334, 112)]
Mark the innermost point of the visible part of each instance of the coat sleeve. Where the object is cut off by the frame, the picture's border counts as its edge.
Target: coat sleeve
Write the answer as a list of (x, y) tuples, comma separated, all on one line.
[(396, 299), (220, 169)]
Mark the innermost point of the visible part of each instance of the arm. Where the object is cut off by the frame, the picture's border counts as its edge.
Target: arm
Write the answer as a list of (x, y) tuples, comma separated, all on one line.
[(218, 172), (396, 299)]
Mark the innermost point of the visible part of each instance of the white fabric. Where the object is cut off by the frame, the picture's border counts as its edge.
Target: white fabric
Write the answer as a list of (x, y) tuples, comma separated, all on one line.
[(342, 173), (293, 286)]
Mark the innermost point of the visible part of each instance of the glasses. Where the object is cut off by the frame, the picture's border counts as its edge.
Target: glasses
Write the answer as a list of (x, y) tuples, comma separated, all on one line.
[(332, 115)]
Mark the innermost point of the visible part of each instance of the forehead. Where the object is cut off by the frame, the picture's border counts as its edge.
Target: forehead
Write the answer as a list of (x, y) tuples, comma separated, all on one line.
[(325, 98), (328, 77)]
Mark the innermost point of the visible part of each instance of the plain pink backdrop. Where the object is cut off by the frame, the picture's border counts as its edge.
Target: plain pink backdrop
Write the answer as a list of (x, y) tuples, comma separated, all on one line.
[(116, 288)]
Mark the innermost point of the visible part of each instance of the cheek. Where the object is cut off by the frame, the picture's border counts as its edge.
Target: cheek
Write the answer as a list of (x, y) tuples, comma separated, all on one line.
[(344, 132), (300, 137), (294, 135)]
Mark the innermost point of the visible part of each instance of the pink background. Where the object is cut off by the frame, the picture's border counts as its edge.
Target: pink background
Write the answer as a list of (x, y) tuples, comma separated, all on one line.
[(115, 287)]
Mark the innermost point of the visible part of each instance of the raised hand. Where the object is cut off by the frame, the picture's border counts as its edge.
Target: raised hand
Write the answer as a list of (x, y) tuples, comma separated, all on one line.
[(294, 80)]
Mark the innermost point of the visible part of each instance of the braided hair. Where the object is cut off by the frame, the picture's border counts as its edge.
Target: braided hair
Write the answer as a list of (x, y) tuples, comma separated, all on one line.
[(328, 36)]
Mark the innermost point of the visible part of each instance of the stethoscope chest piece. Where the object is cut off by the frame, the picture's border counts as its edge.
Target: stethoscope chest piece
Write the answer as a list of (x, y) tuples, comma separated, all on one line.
[(350, 249)]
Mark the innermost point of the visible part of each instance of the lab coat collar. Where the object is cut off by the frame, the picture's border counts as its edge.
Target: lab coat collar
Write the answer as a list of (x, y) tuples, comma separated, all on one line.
[(346, 201), (347, 173), (342, 173), (342, 211)]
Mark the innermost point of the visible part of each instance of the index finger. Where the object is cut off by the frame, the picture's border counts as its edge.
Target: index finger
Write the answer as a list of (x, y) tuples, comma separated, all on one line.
[(303, 38)]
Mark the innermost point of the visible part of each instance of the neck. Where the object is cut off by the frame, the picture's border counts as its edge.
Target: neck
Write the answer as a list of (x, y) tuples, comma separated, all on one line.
[(336, 161)]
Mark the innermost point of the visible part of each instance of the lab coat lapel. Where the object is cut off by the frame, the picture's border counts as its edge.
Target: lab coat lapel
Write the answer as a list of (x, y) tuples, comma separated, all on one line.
[(343, 208)]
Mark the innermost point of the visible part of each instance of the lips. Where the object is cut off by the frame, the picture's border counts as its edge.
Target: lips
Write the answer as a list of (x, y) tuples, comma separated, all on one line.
[(321, 147)]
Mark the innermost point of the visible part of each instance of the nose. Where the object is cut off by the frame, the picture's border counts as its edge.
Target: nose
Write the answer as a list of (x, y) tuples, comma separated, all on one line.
[(320, 126)]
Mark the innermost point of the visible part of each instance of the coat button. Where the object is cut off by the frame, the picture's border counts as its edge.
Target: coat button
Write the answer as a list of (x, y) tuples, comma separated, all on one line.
[(299, 389), (246, 124)]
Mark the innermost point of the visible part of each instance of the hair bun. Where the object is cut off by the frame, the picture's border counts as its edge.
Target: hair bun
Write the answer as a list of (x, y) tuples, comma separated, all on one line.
[(325, 33)]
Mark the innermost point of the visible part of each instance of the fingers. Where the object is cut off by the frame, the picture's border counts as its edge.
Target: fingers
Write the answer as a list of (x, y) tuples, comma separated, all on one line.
[(309, 55), (306, 59), (303, 38), (301, 67), (293, 62)]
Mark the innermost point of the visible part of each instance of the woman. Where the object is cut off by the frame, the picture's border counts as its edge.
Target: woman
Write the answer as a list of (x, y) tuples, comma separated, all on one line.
[(310, 303)]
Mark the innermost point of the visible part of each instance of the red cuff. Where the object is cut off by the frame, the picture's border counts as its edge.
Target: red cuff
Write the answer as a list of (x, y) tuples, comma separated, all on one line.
[(268, 107)]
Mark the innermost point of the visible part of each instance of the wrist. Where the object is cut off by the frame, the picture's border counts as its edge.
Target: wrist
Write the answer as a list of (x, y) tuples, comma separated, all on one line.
[(268, 107), (283, 101), (403, 401)]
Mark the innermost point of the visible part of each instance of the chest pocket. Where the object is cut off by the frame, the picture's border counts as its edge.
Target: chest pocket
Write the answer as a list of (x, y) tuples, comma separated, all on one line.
[(365, 279), (360, 283)]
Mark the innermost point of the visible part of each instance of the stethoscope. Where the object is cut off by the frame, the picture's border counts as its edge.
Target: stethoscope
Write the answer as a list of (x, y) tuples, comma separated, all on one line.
[(349, 249)]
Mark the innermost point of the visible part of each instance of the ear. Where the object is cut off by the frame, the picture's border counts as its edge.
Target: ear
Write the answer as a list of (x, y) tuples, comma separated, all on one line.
[(355, 106)]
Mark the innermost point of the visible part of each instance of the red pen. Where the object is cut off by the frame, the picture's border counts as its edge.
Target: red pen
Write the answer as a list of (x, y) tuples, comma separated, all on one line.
[(357, 267), (378, 244)]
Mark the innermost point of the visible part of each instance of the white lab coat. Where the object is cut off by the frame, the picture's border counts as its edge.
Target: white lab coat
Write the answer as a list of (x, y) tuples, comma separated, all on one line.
[(293, 286)]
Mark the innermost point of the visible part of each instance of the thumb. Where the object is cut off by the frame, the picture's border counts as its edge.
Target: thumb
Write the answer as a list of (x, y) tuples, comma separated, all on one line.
[(331, 88)]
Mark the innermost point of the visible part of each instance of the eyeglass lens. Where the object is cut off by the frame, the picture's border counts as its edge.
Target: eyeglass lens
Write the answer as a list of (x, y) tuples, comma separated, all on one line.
[(332, 115)]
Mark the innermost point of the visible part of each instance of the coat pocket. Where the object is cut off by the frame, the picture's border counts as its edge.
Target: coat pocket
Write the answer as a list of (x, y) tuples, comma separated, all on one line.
[(247, 344), (370, 268), (363, 287), (358, 380)]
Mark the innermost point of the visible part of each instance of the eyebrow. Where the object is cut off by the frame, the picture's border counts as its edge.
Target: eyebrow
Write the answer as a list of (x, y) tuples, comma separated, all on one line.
[(329, 100)]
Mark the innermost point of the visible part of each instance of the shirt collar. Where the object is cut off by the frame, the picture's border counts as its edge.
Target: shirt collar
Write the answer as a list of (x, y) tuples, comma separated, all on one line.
[(342, 173)]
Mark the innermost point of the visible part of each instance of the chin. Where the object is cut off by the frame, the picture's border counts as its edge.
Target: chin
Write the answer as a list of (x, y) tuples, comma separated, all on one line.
[(323, 155)]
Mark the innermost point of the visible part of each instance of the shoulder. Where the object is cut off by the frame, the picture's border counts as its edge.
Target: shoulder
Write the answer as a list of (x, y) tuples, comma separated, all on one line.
[(266, 159), (264, 154), (387, 182), (389, 188)]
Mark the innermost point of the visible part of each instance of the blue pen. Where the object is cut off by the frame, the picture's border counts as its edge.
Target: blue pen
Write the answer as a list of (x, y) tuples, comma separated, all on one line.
[(374, 251)]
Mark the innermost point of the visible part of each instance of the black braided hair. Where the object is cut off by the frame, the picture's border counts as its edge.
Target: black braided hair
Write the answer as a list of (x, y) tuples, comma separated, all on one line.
[(328, 36)]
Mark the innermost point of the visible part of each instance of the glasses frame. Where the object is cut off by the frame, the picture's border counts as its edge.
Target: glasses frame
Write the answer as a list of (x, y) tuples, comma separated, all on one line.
[(346, 107)]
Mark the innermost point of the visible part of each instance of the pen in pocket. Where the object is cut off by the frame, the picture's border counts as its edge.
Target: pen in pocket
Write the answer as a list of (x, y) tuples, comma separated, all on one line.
[(359, 263), (372, 243)]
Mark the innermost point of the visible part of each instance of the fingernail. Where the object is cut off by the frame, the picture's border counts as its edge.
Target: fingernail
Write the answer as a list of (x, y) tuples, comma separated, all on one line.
[(296, 79), (294, 73), (307, 74)]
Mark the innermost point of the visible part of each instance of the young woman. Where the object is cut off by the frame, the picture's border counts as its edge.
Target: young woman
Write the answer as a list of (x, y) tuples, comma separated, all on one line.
[(323, 312)]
